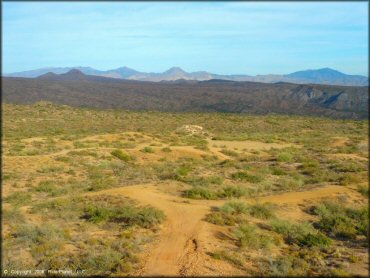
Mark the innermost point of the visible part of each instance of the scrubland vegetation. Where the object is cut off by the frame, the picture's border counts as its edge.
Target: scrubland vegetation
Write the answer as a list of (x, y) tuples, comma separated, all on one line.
[(60, 163)]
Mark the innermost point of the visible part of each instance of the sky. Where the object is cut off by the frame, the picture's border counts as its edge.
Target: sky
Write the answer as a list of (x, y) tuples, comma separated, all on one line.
[(220, 37)]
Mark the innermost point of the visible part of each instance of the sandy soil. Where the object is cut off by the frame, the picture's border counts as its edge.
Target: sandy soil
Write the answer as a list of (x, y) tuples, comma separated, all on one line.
[(181, 247)]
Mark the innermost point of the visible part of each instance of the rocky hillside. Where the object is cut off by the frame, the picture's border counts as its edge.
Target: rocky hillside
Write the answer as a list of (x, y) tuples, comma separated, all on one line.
[(320, 76), (77, 89)]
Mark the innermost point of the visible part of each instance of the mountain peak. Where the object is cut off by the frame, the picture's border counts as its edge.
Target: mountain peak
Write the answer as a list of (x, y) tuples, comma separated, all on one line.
[(175, 70), (74, 72), (48, 75), (315, 75)]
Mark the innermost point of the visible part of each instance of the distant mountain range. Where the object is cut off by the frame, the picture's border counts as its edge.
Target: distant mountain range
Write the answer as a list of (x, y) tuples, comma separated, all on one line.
[(320, 76), (78, 89)]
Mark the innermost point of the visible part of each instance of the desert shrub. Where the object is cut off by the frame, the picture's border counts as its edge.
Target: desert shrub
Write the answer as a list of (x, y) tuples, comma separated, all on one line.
[(204, 181), (278, 171), (83, 153), (147, 150), (303, 262), (99, 179), (221, 219), (166, 150), (121, 155), (50, 188), (127, 216), (18, 198), (348, 178), (12, 216), (97, 214), (286, 266), (105, 262), (348, 166), (184, 169), (244, 176), (64, 208), (231, 192), (50, 169), (262, 211), (65, 159), (235, 208), (340, 221), (149, 217), (291, 182), (229, 214), (315, 239), (233, 213), (109, 258), (229, 153), (248, 236), (364, 190), (33, 234), (10, 176), (284, 157), (303, 234), (199, 193)]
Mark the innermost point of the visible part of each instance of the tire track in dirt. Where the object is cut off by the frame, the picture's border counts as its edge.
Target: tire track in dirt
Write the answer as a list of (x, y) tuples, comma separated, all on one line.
[(178, 251)]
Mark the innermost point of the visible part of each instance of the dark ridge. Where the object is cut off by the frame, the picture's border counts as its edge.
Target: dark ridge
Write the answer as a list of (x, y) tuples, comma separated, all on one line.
[(77, 89)]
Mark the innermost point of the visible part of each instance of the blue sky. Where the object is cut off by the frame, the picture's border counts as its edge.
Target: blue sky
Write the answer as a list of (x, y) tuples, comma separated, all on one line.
[(220, 37)]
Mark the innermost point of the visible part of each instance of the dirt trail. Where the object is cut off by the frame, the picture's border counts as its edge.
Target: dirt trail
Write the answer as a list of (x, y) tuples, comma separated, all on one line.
[(179, 249), (176, 252)]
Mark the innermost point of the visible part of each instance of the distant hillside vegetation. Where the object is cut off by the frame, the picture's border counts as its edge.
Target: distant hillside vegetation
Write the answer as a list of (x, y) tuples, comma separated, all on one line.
[(318, 76), (77, 89)]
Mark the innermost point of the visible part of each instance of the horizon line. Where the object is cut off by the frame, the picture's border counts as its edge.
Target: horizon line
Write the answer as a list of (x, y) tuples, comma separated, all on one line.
[(176, 67)]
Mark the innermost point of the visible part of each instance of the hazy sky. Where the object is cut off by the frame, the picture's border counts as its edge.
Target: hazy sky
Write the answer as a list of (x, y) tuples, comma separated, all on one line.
[(226, 38)]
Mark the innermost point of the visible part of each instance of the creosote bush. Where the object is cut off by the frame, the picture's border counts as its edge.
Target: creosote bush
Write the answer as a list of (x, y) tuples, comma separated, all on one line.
[(121, 155), (127, 216)]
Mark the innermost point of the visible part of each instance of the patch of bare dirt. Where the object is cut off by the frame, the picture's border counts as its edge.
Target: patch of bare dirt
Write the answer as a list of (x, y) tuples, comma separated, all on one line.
[(185, 239)]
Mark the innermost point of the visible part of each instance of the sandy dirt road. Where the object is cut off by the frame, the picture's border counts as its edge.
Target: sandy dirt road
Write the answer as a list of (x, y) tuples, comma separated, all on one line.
[(179, 249)]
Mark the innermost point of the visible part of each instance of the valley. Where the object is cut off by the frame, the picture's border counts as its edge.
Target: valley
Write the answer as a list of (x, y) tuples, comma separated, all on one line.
[(117, 192)]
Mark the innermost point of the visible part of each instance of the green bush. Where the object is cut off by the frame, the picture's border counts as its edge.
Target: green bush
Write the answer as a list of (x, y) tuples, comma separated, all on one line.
[(99, 179), (34, 234), (204, 181), (199, 193), (12, 216), (340, 221), (231, 192), (278, 171), (19, 198), (249, 236), (221, 219), (83, 153), (303, 234), (244, 176), (121, 155), (284, 157), (262, 211), (364, 190), (147, 150), (229, 153), (146, 217), (50, 187), (235, 208), (229, 214), (348, 166), (315, 239), (97, 214), (166, 150)]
